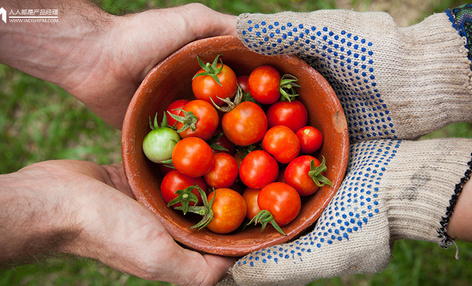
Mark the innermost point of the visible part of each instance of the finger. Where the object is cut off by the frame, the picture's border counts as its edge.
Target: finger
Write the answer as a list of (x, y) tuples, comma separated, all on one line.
[(319, 33), (117, 176), (199, 269), (204, 22)]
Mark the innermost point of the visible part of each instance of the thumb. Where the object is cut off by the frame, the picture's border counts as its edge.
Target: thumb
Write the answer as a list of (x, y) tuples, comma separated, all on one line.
[(203, 22), (155, 34)]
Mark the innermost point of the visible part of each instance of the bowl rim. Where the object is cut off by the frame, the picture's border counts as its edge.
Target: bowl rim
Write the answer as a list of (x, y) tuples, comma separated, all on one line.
[(128, 143)]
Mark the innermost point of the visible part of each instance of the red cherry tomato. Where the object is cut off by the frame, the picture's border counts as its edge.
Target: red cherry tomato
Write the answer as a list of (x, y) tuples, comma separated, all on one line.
[(224, 171), (174, 108), (243, 82), (258, 169), (250, 196), (221, 144), (281, 200), (246, 124), (282, 143), (206, 88), (229, 210), (174, 181), (192, 156), (310, 139), (291, 114), (205, 123), (297, 175), (264, 84)]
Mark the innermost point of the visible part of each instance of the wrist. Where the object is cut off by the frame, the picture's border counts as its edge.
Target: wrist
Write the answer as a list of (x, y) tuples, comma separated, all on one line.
[(34, 221), (458, 227)]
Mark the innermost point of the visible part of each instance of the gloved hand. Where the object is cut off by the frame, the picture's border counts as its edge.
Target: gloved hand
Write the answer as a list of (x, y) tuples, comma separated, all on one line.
[(393, 190), (392, 82)]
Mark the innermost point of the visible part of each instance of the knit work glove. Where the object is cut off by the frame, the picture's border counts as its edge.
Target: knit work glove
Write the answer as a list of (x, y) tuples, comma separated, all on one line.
[(393, 190), (392, 82)]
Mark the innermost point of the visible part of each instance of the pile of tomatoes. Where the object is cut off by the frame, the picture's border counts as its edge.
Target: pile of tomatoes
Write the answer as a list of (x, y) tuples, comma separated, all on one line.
[(241, 150)]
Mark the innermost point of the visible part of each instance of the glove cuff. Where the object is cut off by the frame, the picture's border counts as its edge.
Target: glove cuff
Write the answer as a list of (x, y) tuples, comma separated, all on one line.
[(425, 180), (461, 18)]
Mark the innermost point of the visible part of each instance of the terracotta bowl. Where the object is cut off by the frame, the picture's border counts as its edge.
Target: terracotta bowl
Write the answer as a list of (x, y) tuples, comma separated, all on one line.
[(171, 80)]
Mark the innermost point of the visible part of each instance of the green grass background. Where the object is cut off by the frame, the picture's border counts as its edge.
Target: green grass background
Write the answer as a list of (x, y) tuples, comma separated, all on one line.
[(39, 121)]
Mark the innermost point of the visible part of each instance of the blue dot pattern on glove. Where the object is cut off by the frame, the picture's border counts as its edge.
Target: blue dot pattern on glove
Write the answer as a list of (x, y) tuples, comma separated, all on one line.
[(355, 203), (344, 59)]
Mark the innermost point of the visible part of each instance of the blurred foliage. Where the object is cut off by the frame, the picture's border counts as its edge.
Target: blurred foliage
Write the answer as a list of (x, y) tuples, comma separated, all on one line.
[(232, 7), (40, 121)]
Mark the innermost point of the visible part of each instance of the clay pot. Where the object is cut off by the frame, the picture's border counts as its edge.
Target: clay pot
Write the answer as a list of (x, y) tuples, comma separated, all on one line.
[(171, 80)]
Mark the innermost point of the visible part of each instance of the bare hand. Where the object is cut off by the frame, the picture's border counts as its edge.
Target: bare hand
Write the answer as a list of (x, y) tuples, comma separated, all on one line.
[(86, 209), (134, 45)]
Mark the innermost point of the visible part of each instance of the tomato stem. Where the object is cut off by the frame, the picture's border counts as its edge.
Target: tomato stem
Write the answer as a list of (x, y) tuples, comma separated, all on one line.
[(154, 124), (213, 145), (205, 210), (230, 104), (168, 163), (211, 70), (287, 87), (244, 150), (184, 197), (189, 120), (264, 217), (316, 173)]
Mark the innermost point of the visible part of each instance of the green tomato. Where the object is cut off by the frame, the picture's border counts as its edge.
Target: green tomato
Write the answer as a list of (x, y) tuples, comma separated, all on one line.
[(160, 141)]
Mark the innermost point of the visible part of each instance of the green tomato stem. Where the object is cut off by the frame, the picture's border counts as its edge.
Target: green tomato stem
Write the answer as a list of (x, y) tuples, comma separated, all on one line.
[(264, 217), (184, 197), (206, 210), (211, 70), (189, 120), (287, 87), (316, 173)]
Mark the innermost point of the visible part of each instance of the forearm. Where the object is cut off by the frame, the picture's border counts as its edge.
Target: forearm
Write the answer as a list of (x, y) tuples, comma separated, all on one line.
[(33, 223), (53, 51)]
